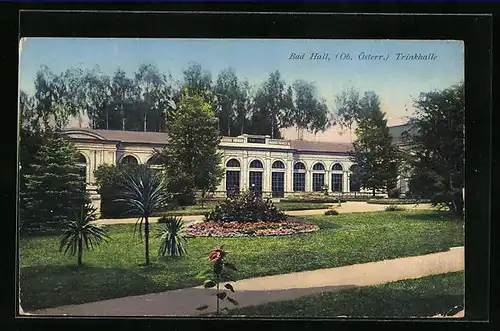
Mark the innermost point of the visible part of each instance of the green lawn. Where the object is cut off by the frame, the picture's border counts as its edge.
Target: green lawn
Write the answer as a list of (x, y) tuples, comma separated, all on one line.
[(50, 279), (427, 296)]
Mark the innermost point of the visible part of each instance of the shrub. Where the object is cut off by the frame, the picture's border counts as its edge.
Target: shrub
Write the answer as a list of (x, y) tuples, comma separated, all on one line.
[(245, 206), (397, 201), (394, 193), (393, 208), (331, 212), (171, 236)]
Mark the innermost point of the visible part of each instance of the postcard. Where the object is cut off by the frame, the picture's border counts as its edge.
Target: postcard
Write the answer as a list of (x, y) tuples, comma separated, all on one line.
[(241, 177)]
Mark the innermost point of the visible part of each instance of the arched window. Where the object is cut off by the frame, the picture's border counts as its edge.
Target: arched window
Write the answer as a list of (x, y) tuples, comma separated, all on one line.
[(337, 166), (129, 159), (278, 165), (233, 163), (154, 160), (256, 164), (318, 166), (82, 167), (354, 179), (299, 166)]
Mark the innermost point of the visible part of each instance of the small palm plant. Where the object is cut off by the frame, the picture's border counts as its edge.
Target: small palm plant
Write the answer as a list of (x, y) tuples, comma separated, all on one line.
[(144, 191), (171, 237), (80, 230)]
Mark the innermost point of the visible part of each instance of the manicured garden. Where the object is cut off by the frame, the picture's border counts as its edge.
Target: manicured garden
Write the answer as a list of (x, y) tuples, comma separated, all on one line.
[(111, 270), (422, 297)]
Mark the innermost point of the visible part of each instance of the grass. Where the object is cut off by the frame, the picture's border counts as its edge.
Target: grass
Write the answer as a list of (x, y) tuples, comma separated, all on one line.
[(397, 201), (427, 296), (50, 279)]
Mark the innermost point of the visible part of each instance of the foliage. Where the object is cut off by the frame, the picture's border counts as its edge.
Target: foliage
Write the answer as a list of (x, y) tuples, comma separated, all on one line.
[(171, 237), (374, 154), (52, 186), (272, 103), (107, 180), (308, 111), (221, 272), (438, 148), (312, 197), (349, 110), (245, 206), (144, 192), (331, 212), (80, 230), (394, 193), (393, 208), (48, 279), (192, 160)]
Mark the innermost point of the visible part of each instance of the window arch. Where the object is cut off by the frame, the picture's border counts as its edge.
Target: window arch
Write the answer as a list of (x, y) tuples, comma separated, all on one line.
[(154, 160), (129, 159), (233, 163), (337, 166), (256, 164), (299, 166), (319, 166), (278, 165), (82, 166)]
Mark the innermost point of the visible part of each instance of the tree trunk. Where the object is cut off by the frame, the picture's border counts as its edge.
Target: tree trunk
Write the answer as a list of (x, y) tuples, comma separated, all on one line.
[(373, 192), (145, 121), (107, 118), (80, 251), (146, 238)]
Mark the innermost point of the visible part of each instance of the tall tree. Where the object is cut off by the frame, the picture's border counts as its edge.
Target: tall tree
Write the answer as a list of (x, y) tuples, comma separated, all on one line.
[(196, 80), (374, 154), (349, 109), (437, 140), (191, 158), (227, 91), (124, 92), (97, 92), (243, 108), (270, 108), (149, 82), (308, 112), (54, 186)]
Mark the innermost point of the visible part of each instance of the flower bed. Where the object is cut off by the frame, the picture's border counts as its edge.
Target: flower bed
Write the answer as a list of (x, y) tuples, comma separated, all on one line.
[(249, 229)]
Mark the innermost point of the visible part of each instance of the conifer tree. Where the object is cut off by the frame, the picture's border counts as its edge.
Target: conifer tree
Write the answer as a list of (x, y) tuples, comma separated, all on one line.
[(53, 186), (374, 154)]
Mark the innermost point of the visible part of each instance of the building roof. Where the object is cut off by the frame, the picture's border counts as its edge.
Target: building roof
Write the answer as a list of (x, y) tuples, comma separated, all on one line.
[(161, 138), (129, 136), (319, 146)]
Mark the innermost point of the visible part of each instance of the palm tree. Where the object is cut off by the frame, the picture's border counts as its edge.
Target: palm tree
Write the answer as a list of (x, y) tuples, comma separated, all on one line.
[(144, 192), (81, 230)]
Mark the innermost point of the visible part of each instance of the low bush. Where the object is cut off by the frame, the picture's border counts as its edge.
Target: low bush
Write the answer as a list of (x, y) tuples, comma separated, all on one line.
[(394, 193), (331, 212), (245, 206), (394, 208)]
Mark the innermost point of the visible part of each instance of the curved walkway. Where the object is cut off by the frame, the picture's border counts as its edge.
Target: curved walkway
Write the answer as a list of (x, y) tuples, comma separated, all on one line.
[(348, 207), (256, 291)]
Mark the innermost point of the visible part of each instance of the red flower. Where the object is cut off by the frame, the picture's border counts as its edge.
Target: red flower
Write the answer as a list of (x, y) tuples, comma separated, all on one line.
[(214, 256)]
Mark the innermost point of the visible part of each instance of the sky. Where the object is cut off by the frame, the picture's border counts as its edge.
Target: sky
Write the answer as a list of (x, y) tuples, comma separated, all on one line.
[(396, 81)]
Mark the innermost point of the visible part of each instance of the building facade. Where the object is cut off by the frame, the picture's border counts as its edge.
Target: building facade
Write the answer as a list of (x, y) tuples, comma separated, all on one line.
[(275, 167)]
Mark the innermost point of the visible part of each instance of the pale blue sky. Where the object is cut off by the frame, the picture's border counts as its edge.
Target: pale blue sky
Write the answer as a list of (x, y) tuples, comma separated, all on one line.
[(394, 81)]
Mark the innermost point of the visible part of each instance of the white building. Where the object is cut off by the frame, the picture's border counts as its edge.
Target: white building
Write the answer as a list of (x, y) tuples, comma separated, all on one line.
[(273, 166)]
